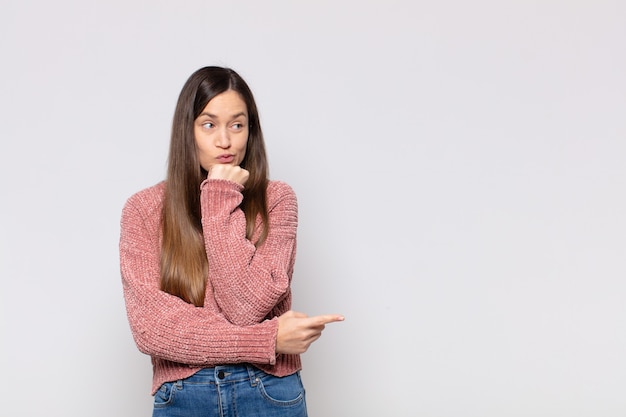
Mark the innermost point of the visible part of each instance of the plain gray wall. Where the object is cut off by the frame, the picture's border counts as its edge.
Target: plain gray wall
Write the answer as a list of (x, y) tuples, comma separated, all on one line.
[(460, 168)]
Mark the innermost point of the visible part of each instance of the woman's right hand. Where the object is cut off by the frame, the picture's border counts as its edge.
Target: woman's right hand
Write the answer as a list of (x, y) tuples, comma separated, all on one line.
[(296, 331), (228, 172)]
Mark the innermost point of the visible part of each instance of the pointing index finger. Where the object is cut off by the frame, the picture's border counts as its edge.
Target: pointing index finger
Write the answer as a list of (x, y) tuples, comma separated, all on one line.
[(327, 318)]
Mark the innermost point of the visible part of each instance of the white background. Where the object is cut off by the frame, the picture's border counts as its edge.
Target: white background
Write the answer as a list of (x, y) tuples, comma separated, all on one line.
[(460, 169)]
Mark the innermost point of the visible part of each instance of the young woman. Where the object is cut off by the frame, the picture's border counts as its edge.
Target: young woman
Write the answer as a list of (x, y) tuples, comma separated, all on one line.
[(206, 260)]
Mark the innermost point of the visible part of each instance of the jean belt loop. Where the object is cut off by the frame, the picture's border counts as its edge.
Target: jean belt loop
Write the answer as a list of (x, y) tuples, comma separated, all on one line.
[(254, 380)]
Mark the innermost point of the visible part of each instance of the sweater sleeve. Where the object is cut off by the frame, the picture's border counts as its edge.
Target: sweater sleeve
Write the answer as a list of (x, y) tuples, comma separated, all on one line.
[(167, 327), (248, 282)]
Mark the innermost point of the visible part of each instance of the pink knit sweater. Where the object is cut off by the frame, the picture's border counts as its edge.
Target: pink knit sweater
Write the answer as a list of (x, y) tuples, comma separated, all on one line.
[(247, 288)]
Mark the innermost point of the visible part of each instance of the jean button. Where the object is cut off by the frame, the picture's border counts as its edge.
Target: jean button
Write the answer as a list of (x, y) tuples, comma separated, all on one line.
[(220, 374)]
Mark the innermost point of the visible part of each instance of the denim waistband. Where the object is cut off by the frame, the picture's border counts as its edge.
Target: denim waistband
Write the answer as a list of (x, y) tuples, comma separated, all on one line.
[(223, 374)]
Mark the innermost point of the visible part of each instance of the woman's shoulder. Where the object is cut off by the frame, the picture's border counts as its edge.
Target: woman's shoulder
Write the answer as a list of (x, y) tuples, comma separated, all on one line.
[(280, 189), (279, 192), (148, 200)]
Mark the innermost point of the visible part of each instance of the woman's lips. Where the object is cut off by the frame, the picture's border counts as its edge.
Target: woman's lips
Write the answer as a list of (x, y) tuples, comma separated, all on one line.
[(225, 159)]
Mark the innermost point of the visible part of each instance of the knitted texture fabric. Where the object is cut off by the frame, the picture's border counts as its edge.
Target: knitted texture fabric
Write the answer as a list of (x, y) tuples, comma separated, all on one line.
[(247, 287)]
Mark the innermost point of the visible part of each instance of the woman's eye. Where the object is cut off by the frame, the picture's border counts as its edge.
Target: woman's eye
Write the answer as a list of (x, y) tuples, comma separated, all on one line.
[(238, 126), (207, 125)]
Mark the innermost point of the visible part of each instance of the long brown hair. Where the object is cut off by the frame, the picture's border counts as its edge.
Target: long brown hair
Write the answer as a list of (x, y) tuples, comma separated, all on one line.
[(184, 264)]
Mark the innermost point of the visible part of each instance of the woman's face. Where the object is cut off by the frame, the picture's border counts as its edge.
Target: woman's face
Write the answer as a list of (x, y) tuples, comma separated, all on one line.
[(221, 130)]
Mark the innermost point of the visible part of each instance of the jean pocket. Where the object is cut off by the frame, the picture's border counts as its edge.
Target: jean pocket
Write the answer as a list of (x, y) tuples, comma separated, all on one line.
[(165, 395), (285, 391)]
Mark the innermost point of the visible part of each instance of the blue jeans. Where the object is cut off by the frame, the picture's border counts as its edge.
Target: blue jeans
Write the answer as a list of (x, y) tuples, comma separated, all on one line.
[(229, 391)]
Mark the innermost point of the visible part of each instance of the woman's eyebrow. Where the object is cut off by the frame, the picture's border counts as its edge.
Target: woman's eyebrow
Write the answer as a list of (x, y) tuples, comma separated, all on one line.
[(213, 116)]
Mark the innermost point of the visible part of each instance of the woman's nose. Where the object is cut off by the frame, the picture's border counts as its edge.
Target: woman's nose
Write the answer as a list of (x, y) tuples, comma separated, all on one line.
[(223, 139)]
